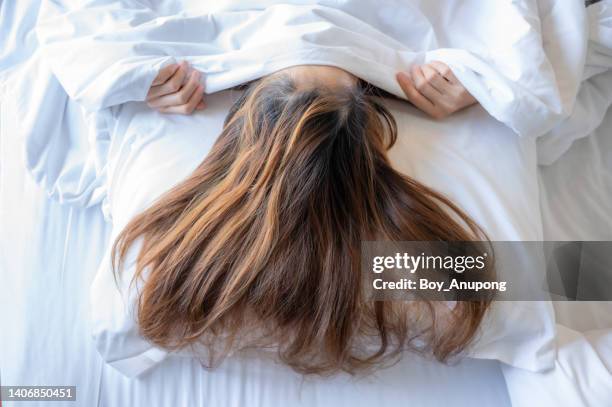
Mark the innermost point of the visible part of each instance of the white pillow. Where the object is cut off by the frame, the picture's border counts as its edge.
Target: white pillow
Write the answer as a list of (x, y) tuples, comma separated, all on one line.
[(475, 160)]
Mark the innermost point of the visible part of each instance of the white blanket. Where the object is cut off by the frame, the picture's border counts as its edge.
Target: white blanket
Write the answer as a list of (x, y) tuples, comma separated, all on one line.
[(522, 60), (595, 94)]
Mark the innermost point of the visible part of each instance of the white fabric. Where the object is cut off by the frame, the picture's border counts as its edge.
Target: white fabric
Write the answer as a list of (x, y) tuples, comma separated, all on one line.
[(576, 190), (576, 202), (582, 375), (595, 94), (483, 79), (44, 301), (18, 40), (106, 52)]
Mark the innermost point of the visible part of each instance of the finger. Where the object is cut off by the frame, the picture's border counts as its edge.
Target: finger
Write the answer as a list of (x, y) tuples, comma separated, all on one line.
[(423, 86), (445, 71), (459, 91), (178, 98), (171, 85), (435, 79), (175, 82), (164, 74), (414, 96), (188, 107), (202, 104)]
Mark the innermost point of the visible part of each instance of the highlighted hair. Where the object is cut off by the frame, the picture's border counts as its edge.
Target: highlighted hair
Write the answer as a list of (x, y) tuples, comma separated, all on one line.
[(261, 244)]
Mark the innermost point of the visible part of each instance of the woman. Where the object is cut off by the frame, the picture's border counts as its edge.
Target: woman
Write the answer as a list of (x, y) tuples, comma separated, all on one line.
[(260, 245)]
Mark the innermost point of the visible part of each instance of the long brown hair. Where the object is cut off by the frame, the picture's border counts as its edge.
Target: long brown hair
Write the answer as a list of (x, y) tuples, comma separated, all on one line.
[(261, 244)]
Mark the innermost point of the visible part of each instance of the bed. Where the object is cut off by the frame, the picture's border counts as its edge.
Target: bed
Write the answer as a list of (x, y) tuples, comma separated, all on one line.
[(50, 252)]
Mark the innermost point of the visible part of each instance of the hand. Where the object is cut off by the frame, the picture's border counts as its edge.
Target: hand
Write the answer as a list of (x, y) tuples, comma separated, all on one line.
[(434, 89), (176, 89)]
